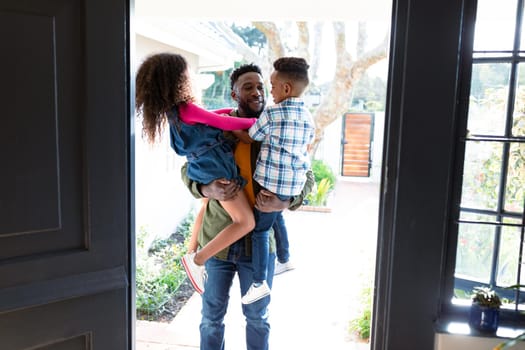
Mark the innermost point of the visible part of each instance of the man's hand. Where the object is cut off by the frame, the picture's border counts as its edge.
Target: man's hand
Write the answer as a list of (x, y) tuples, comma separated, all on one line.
[(242, 135), (267, 202), (220, 189)]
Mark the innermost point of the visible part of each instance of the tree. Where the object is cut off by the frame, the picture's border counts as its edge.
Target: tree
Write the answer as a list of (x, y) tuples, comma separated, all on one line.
[(350, 65)]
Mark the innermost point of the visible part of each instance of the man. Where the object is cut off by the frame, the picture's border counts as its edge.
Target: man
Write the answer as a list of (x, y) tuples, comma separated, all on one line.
[(247, 90)]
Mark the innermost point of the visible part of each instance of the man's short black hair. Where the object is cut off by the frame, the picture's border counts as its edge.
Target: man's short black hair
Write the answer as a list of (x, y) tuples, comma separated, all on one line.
[(245, 68)]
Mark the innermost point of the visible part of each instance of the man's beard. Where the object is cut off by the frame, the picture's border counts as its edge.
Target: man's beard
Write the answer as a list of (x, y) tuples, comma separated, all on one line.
[(249, 112)]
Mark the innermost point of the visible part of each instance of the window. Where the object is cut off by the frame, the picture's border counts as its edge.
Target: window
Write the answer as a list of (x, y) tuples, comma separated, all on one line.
[(491, 197)]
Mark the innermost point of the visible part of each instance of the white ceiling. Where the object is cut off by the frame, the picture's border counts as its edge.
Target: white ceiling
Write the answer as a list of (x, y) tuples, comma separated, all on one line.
[(266, 9), (167, 21)]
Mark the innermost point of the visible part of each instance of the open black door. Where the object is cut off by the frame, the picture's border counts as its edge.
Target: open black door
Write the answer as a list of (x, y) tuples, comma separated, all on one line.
[(65, 203)]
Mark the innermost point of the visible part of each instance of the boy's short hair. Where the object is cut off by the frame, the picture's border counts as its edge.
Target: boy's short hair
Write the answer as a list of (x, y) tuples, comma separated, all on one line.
[(293, 68)]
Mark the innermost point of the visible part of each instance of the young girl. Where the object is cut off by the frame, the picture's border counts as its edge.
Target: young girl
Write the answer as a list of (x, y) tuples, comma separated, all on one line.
[(164, 94)]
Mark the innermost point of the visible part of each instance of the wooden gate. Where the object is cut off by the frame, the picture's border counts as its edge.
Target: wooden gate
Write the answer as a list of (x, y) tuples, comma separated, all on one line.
[(356, 144)]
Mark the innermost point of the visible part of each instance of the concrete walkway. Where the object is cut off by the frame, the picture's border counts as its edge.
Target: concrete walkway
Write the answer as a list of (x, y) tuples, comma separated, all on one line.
[(311, 306)]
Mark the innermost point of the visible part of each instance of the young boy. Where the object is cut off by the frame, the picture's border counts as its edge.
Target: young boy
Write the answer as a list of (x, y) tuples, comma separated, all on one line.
[(286, 130)]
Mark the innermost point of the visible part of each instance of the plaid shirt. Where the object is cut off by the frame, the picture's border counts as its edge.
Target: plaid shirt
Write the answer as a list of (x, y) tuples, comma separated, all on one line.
[(285, 129)]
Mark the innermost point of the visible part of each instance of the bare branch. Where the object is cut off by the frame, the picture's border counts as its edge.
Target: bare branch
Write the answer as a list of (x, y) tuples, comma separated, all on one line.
[(303, 41), (347, 74), (362, 38), (270, 30), (348, 69), (316, 52)]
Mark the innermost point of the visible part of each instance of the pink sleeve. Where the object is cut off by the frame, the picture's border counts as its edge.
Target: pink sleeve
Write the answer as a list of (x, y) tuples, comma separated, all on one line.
[(193, 114), (226, 110)]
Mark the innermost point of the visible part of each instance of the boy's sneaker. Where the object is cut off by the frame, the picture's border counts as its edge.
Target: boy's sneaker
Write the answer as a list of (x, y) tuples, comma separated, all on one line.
[(196, 273), (283, 267), (256, 292)]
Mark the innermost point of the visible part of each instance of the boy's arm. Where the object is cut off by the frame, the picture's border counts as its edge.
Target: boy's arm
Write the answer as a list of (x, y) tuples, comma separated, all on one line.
[(260, 128)]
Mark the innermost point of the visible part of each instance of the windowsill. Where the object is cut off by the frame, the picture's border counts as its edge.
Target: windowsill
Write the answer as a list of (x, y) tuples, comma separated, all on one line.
[(456, 335), (462, 328), (456, 323)]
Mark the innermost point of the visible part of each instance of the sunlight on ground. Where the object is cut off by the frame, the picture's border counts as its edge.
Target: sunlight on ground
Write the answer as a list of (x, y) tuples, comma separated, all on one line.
[(311, 305)]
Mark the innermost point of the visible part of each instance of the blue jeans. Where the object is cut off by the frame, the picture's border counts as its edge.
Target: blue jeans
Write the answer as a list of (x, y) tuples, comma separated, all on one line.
[(217, 294), (281, 239), (261, 242)]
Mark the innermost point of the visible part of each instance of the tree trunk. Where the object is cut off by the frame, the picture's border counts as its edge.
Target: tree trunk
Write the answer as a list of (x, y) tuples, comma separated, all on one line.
[(347, 73), (348, 69)]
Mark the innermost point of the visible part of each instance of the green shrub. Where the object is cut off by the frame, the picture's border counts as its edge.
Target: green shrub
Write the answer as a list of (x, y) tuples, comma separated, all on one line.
[(319, 195), (159, 272), (321, 171), (324, 183), (360, 326)]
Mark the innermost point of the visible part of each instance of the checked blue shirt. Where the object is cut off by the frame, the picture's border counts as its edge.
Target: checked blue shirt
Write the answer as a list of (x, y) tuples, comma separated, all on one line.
[(285, 129)]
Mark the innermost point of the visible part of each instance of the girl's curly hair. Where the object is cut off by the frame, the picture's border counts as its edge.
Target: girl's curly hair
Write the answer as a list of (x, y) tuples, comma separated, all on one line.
[(162, 83)]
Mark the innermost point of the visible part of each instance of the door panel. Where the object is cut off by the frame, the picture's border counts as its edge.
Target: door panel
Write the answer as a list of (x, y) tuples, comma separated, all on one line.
[(42, 199), (65, 206), (84, 323)]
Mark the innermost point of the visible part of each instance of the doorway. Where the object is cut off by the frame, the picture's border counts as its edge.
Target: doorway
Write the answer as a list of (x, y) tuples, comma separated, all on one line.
[(348, 189)]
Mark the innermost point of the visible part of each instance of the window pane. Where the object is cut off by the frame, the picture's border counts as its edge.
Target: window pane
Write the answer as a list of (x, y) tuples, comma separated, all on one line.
[(515, 188), (518, 124), (522, 43), (488, 99), (474, 252), (493, 179), (481, 177), (495, 25), (508, 257)]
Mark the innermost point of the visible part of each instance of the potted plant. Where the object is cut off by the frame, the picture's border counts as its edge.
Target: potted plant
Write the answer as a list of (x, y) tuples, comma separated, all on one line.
[(484, 311), (513, 341)]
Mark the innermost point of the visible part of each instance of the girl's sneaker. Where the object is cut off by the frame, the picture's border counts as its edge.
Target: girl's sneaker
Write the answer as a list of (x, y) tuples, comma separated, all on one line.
[(196, 273)]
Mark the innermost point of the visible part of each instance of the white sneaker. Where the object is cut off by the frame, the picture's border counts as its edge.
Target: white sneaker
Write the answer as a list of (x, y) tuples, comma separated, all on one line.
[(196, 273), (256, 293), (283, 267)]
